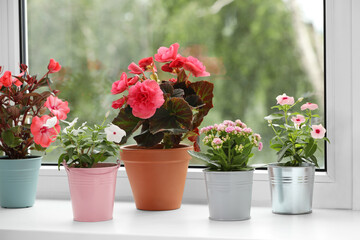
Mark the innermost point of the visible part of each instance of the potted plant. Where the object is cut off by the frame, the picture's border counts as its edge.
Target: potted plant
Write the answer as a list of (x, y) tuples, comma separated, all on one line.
[(296, 140), (92, 182), (167, 111), (24, 126), (228, 176)]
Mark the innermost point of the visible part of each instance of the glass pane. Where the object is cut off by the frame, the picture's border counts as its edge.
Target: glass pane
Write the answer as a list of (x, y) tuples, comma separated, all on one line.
[(254, 50)]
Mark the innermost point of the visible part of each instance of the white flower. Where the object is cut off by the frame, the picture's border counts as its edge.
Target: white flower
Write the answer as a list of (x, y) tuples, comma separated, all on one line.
[(51, 122), (114, 133), (70, 125)]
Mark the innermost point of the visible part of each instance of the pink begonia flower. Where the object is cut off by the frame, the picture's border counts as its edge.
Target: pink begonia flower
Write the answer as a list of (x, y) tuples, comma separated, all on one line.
[(118, 103), (132, 81), (147, 64), (173, 80), (229, 129), (53, 66), (57, 107), (166, 68), (299, 119), (120, 85), (178, 62), (195, 67), (144, 98), (260, 146), (217, 141), (135, 69), (285, 100), (310, 106), (318, 131), (43, 135), (6, 80), (165, 54)]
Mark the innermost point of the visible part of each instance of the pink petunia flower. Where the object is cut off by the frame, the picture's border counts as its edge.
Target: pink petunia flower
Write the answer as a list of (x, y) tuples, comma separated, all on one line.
[(144, 98), (165, 54), (318, 131), (285, 100), (118, 103), (310, 106), (195, 67), (6, 80), (120, 85), (43, 135), (135, 69), (299, 119), (53, 66), (57, 107)]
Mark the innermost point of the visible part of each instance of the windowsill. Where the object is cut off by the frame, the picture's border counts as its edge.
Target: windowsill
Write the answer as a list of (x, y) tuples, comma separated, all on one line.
[(52, 219)]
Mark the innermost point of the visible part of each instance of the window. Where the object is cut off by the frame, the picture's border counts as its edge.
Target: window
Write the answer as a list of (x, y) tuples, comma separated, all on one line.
[(338, 187), (254, 50)]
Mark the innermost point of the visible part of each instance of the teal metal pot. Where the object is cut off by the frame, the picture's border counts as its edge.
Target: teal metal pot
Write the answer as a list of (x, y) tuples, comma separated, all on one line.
[(18, 181)]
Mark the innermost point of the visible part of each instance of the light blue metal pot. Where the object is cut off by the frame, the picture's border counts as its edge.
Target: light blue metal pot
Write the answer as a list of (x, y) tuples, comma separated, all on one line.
[(18, 181), (229, 194), (291, 188)]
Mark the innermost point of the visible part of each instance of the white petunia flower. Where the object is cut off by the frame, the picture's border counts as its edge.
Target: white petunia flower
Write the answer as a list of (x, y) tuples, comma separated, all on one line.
[(114, 133), (51, 122)]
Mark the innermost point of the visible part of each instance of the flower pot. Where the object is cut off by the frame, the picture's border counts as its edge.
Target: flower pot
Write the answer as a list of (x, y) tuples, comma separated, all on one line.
[(157, 176), (291, 188), (229, 194), (92, 191), (18, 181)]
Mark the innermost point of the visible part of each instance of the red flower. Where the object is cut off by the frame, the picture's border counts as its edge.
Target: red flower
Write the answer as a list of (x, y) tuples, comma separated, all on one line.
[(6, 80), (147, 64), (144, 98), (166, 68), (178, 62), (135, 69), (54, 66), (57, 107), (132, 81), (118, 103), (174, 80), (120, 85), (43, 135), (165, 54), (195, 67)]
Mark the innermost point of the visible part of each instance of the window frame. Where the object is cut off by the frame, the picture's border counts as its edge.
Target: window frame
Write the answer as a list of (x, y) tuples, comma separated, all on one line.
[(338, 187)]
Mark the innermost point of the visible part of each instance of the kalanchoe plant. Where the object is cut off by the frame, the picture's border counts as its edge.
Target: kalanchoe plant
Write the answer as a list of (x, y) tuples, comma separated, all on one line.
[(23, 103), (296, 136), (230, 145), (84, 146), (167, 111)]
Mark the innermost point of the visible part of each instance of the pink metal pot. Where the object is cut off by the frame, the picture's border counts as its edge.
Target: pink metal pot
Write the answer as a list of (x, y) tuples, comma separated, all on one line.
[(92, 191)]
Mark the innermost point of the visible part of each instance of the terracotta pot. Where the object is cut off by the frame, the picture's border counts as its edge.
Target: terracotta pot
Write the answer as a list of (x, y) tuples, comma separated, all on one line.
[(157, 176), (92, 191)]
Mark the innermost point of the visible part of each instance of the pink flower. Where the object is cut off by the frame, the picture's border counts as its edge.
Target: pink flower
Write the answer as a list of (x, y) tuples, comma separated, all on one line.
[(166, 68), (247, 130), (173, 80), (257, 137), (260, 146), (132, 81), (229, 123), (238, 129), (57, 107), (118, 103), (195, 67), (54, 66), (135, 69), (43, 135), (310, 106), (120, 85), (299, 119), (178, 62), (6, 80), (165, 54), (318, 131), (144, 98), (285, 100), (206, 129), (217, 141), (147, 64), (229, 129)]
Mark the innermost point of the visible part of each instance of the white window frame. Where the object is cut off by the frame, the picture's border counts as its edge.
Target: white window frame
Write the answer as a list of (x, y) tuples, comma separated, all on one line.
[(339, 187)]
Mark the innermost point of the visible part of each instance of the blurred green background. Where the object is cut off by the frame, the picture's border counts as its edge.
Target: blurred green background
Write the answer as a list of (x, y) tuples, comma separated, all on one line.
[(254, 50)]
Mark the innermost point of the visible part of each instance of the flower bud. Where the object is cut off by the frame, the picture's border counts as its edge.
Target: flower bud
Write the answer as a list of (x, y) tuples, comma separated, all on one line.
[(300, 99)]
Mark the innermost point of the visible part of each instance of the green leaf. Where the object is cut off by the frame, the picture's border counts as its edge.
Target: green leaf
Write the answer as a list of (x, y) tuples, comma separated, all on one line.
[(276, 147), (199, 155), (128, 122), (282, 152), (204, 90), (274, 116), (8, 137), (310, 148), (51, 148), (166, 87)]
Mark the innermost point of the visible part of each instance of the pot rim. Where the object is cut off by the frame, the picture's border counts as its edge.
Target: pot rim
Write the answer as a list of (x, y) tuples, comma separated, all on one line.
[(104, 165), (27, 158), (218, 172), (134, 147), (276, 165)]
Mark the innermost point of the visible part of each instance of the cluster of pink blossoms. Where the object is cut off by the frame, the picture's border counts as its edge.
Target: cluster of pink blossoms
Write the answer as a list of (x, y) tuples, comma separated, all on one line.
[(318, 131), (145, 95), (218, 134)]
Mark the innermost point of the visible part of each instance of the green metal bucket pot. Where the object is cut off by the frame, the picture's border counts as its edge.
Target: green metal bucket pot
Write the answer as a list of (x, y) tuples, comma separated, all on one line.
[(18, 181)]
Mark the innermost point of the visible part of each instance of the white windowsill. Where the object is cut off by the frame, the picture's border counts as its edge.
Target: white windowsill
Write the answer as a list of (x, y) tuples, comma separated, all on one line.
[(52, 219)]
